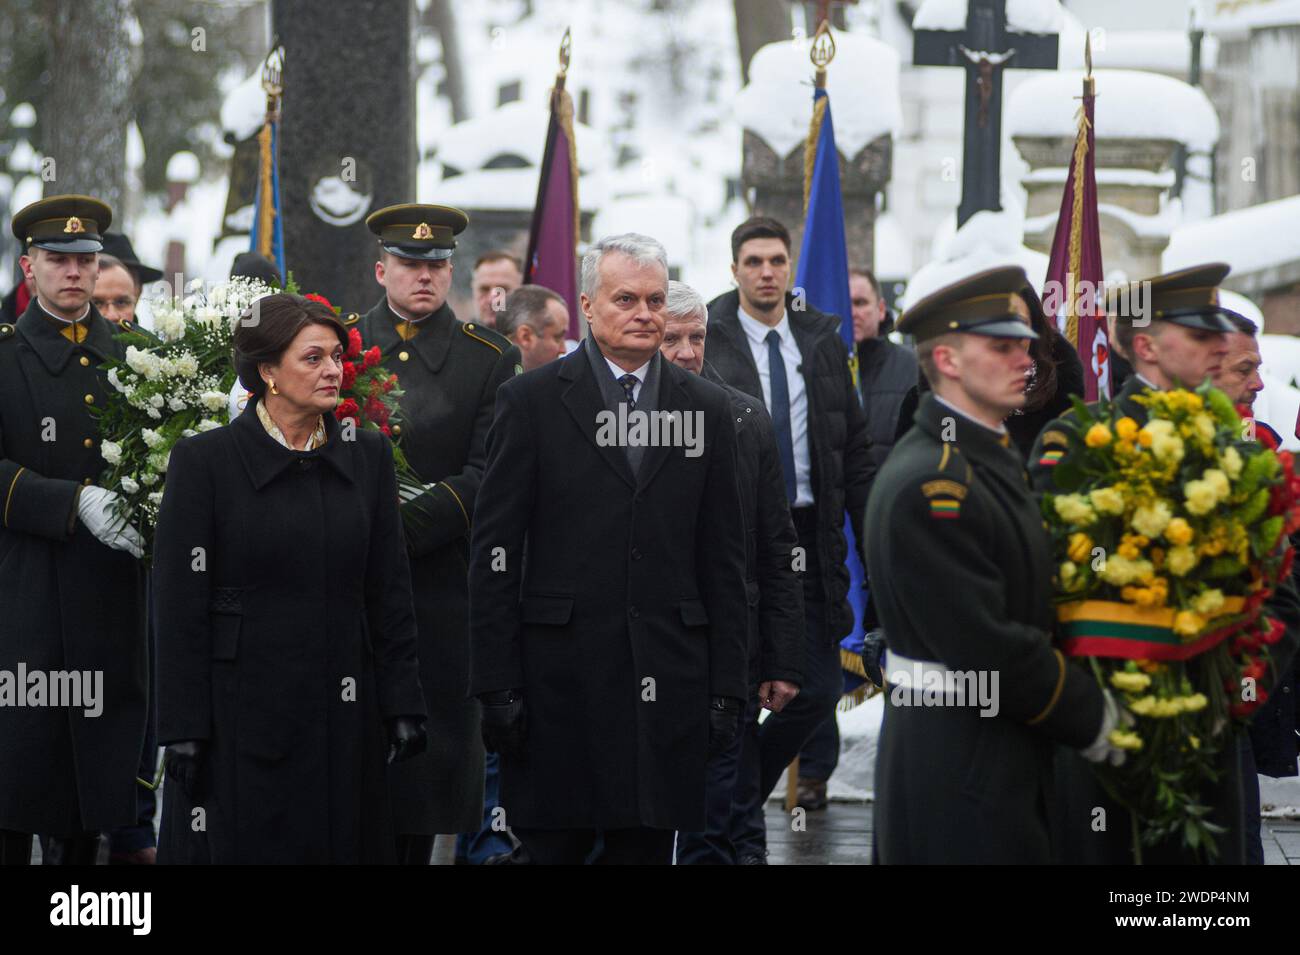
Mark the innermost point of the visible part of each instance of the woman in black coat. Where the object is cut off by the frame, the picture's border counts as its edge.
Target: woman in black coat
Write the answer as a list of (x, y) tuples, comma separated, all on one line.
[(286, 634)]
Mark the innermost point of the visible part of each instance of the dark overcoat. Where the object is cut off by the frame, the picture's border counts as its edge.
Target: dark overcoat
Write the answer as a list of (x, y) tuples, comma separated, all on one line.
[(615, 601), (773, 588), (962, 569), (67, 602), (449, 373), (1076, 791), (839, 447), (286, 636)]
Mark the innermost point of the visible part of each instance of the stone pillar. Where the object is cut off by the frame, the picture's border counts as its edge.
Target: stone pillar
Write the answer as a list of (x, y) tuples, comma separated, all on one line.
[(1133, 175)]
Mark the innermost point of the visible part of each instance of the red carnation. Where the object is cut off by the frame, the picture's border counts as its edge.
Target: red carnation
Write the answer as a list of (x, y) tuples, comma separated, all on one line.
[(347, 409), (390, 384), (349, 375), (354, 343), (388, 432), (312, 296), (376, 411), (372, 357)]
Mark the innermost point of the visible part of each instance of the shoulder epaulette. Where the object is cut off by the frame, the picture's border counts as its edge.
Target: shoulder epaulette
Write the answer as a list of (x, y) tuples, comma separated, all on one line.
[(476, 333), (952, 461)]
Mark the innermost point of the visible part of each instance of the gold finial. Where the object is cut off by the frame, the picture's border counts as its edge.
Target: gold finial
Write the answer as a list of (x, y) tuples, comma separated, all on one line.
[(1089, 84), (566, 44), (822, 51), (273, 72)]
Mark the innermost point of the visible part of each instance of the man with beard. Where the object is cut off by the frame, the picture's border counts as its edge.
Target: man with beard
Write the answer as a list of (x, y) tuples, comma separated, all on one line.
[(449, 372)]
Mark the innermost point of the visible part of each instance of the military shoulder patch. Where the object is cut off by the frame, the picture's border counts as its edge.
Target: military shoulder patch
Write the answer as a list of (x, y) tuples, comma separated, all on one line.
[(943, 486), (945, 508), (1050, 459), (1058, 439)]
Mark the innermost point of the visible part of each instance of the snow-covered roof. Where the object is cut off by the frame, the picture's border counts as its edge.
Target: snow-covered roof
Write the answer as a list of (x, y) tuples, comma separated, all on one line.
[(1165, 51), (495, 189), (518, 128), (893, 248), (670, 219), (243, 111), (1130, 104), (1023, 16), (1253, 239), (862, 82), (23, 116), (987, 240), (1237, 16)]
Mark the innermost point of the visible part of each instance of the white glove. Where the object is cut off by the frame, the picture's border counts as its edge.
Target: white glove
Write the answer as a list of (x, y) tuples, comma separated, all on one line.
[(96, 508), (407, 493), (1101, 748)]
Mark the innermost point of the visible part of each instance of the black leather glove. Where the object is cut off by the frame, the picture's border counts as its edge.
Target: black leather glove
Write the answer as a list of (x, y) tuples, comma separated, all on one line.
[(504, 724), (406, 738), (724, 723), (185, 762), (873, 656)]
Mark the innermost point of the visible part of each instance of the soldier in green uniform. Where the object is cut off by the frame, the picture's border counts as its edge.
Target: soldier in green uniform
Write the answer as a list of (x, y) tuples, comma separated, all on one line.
[(1174, 331), (449, 372), (960, 564), (71, 587)]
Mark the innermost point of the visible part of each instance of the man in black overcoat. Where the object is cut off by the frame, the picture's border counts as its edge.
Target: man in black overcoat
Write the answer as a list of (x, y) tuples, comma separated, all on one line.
[(71, 587), (607, 581), (772, 586), (449, 372)]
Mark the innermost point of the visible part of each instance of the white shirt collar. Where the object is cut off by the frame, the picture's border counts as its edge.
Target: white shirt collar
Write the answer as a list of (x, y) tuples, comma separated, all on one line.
[(1000, 429), (1146, 381), (59, 318), (403, 318), (640, 373), (756, 331)]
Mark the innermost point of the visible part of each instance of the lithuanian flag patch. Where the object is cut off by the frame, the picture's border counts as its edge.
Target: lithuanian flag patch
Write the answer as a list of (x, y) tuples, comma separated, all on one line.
[(1050, 459), (945, 508)]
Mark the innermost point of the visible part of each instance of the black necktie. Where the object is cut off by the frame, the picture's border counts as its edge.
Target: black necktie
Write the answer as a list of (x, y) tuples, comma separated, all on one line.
[(781, 411), (629, 387)]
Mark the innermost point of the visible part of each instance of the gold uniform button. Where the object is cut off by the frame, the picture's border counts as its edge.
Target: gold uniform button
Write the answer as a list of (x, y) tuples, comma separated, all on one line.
[(403, 356), (90, 399), (397, 429), (89, 443), (85, 362), (86, 482)]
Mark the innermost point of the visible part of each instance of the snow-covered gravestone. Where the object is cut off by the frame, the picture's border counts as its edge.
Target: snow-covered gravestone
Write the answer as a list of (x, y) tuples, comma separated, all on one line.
[(1141, 119), (775, 109)]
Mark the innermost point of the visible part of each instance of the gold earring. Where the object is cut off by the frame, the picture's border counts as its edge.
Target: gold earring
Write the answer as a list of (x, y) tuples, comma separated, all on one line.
[(273, 391)]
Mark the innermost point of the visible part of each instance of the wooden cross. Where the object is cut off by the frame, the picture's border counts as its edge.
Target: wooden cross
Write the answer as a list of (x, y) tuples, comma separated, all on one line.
[(983, 49)]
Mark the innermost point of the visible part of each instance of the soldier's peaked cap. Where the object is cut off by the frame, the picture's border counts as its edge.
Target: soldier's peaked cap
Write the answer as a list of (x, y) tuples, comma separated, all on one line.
[(63, 224), (980, 304), (417, 231), (1188, 297)]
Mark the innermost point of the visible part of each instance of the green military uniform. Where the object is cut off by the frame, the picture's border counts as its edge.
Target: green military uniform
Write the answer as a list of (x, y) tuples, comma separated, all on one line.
[(68, 602), (449, 372), (1188, 297), (962, 571)]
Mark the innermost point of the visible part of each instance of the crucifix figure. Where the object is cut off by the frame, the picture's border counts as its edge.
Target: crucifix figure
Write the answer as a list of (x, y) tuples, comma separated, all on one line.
[(983, 49)]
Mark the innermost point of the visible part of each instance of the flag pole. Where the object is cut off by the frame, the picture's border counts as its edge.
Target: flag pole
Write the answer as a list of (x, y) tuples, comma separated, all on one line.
[(272, 85), (821, 51)]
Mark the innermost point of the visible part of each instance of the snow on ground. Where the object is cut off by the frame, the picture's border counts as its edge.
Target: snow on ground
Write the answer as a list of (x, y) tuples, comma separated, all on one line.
[(854, 778)]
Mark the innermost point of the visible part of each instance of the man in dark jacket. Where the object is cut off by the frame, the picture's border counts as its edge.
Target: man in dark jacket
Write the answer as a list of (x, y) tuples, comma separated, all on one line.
[(886, 371), (71, 588), (977, 694), (774, 591), (449, 372), (607, 589), (770, 344)]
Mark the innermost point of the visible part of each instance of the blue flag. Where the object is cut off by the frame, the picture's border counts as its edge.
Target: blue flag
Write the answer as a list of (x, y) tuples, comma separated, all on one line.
[(269, 241), (823, 277)]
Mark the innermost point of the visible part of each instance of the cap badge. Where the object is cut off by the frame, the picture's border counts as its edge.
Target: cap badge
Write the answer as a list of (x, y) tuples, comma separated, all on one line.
[(73, 225), (422, 231)]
